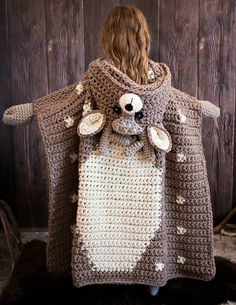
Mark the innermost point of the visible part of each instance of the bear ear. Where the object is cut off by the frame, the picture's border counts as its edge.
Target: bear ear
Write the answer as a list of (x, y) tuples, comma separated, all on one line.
[(159, 137), (91, 123)]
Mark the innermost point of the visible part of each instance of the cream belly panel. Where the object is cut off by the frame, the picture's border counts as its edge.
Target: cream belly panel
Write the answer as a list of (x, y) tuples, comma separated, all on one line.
[(119, 207)]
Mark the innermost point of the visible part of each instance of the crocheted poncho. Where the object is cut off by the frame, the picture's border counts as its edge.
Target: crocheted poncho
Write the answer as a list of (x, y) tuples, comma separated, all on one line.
[(129, 198)]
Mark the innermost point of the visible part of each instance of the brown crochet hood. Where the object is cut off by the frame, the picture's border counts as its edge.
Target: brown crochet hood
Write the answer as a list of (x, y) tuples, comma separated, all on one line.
[(121, 108), (105, 68), (155, 95)]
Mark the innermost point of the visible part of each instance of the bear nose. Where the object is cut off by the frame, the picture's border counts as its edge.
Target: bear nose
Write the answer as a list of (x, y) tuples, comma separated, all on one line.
[(129, 107)]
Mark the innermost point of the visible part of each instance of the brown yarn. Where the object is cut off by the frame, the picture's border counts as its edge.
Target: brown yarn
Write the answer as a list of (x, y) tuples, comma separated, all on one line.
[(182, 246)]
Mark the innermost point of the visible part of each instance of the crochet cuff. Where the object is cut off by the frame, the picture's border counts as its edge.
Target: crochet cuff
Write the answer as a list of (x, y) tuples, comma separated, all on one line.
[(209, 109), (18, 115)]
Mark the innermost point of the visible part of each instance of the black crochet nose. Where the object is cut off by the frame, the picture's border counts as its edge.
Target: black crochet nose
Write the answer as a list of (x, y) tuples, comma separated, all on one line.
[(129, 107)]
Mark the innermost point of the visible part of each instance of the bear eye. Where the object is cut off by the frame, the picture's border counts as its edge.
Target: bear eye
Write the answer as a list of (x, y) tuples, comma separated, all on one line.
[(138, 115), (117, 109)]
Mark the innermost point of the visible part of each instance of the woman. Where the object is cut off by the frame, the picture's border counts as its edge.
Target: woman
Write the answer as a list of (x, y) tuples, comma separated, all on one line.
[(126, 166)]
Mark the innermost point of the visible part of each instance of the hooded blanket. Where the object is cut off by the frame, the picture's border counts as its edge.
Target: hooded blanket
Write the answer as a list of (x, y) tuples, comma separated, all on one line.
[(129, 197)]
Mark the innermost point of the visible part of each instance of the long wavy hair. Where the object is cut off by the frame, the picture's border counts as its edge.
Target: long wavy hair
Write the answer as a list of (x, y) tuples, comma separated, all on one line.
[(125, 39)]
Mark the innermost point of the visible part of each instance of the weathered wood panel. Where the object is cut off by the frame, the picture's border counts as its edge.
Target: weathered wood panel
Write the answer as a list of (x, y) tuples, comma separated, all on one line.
[(47, 44), (65, 42), (217, 84), (7, 182), (28, 68), (178, 42)]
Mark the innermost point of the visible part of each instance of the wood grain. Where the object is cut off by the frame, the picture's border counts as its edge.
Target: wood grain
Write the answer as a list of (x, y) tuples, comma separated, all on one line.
[(178, 42), (65, 42), (48, 44), (217, 84), (7, 182), (28, 66)]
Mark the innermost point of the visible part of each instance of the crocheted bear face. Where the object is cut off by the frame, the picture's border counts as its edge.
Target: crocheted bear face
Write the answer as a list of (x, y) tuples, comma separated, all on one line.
[(125, 126), (130, 110)]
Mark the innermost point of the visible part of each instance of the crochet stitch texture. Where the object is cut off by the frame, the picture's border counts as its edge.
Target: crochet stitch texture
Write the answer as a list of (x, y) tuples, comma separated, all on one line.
[(124, 207)]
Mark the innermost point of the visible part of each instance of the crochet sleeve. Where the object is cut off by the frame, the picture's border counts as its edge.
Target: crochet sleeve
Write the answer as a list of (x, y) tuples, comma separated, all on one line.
[(18, 115), (23, 113), (208, 109)]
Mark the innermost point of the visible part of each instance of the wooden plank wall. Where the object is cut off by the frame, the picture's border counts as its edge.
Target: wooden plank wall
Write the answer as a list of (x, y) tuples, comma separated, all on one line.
[(48, 44)]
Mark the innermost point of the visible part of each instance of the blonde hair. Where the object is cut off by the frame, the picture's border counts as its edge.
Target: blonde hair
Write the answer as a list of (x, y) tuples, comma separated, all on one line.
[(125, 39)]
